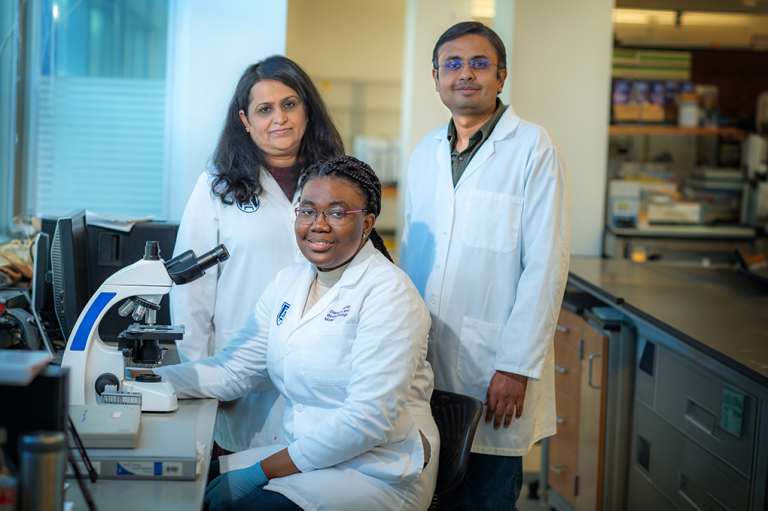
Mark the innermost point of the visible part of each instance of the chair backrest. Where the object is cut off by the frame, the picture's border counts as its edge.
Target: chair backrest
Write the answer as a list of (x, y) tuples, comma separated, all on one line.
[(456, 417)]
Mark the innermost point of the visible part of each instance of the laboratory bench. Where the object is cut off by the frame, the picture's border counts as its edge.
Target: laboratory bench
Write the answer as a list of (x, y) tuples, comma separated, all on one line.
[(661, 404), (115, 495)]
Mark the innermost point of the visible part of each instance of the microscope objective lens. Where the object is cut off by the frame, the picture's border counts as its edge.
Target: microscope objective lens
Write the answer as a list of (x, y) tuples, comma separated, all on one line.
[(138, 313), (126, 308)]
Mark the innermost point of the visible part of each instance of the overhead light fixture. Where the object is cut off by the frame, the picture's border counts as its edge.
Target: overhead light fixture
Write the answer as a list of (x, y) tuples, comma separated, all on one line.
[(686, 18), (483, 8), (644, 17)]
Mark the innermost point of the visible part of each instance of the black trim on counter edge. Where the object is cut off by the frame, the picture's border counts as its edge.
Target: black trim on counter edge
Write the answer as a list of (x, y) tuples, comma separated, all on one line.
[(599, 292), (673, 332)]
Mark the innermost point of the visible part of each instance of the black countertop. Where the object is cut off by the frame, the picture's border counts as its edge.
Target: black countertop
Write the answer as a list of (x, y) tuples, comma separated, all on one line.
[(718, 311)]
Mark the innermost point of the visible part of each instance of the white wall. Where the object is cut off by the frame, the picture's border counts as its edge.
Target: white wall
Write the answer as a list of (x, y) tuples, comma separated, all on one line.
[(560, 79), (210, 43), (351, 49), (347, 39), (421, 109)]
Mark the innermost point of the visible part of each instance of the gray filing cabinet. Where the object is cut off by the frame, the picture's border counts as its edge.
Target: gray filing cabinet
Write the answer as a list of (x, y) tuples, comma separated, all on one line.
[(694, 432)]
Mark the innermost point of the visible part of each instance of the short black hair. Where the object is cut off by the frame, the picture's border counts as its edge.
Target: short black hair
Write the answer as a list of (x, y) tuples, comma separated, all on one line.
[(472, 27)]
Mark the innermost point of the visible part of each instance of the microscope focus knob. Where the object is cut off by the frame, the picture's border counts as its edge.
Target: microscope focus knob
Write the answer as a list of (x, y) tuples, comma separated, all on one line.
[(127, 352), (104, 380)]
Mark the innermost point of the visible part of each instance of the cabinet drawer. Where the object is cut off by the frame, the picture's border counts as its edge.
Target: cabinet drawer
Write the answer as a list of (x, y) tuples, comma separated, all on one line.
[(692, 400), (569, 327), (567, 369), (562, 470), (689, 476), (567, 420), (643, 496)]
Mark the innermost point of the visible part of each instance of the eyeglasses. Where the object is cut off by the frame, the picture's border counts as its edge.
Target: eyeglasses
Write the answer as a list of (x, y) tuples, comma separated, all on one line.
[(334, 216), (477, 65)]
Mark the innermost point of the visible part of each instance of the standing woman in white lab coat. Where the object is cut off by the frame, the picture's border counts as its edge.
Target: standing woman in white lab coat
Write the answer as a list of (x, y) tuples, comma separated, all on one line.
[(344, 339), (276, 126)]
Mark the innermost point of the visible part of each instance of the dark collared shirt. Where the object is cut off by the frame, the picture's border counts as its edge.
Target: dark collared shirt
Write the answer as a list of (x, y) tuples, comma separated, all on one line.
[(460, 160)]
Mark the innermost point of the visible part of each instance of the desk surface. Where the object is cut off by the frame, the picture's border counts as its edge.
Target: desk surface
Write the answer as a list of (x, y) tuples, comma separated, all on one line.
[(718, 311), (113, 495)]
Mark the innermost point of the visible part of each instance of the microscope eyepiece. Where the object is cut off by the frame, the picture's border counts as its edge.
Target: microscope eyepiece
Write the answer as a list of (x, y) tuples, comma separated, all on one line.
[(152, 251), (212, 258), (187, 267)]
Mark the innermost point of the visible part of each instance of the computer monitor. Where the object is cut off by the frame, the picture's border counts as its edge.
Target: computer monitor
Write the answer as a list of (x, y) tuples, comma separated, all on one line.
[(42, 257), (110, 250), (107, 252), (71, 271)]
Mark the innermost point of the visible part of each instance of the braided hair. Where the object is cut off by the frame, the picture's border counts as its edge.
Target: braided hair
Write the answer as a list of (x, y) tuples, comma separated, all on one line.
[(359, 174)]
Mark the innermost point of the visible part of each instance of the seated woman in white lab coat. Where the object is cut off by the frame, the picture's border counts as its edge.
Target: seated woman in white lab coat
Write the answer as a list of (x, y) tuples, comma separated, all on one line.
[(344, 339)]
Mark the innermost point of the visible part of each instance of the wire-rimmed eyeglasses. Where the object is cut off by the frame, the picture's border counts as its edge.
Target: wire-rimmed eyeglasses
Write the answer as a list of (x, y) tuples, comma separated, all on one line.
[(477, 65), (334, 216)]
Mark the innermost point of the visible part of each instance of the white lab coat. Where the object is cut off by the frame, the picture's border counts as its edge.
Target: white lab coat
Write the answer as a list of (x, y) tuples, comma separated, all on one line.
[(261, 242), (490, 257), (356, 380)]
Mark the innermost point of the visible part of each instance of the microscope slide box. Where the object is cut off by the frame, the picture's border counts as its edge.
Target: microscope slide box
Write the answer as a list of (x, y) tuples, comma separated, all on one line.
[(106, 426), (166, 451)]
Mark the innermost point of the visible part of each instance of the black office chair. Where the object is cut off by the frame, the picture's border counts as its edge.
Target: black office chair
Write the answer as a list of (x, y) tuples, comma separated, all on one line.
[(456, 417)]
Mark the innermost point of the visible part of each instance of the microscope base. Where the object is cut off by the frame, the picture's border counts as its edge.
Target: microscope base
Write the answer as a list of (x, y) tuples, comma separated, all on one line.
[(155, 397)]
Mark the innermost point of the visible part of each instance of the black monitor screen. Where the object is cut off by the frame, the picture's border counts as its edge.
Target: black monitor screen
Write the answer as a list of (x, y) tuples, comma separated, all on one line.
[(71, 271), (112, 250), (106, 252)]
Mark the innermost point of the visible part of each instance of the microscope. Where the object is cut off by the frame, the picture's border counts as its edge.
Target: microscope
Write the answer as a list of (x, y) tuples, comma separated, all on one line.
[(97, 371)]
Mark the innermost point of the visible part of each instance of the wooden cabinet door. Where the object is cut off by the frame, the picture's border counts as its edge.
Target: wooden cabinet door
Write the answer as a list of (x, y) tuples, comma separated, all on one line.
[(591, 419), (562, 470), (567, 420), (567, 369), (569, 327)]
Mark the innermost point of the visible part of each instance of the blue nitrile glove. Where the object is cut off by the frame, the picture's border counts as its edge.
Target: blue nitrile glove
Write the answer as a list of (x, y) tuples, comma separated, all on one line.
[(234, 485)]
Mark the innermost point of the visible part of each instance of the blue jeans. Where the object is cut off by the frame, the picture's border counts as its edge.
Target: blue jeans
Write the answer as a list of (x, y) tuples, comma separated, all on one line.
[(261, 499), (492, 483)]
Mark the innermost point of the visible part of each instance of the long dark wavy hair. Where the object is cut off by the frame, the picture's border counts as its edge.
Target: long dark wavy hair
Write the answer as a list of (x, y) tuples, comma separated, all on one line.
[(359, 174), (238, 160)]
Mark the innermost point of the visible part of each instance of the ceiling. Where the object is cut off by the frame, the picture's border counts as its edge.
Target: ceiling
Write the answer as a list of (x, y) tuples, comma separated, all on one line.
[(741, 6)]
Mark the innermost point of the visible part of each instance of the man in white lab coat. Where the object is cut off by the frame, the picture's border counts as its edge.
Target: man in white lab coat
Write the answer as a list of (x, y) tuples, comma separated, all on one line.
[(486, 243)]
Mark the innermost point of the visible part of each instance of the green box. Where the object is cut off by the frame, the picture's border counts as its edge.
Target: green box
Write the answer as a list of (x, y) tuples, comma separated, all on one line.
[(732, 411)]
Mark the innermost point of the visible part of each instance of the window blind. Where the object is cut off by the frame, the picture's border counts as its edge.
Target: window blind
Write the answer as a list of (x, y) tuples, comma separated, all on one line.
[(100, 146)]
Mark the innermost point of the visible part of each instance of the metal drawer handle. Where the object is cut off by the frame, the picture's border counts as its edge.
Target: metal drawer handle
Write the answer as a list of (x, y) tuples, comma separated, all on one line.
[(560, 369), (561, 328), (589, 380), (558, 469), (560, 419)]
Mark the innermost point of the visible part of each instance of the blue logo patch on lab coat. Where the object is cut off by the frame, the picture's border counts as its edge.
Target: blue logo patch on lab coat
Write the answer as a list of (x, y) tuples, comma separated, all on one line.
[(249, 207), (282, 313)]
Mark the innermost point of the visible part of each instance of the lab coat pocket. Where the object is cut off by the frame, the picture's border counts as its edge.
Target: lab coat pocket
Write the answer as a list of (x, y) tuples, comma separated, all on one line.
[(477, 351), (325, 354), (492, 221)]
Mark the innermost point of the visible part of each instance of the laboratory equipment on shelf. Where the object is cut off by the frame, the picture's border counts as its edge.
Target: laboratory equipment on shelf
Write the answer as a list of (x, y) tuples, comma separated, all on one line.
[(754, 207), (97, 370)]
